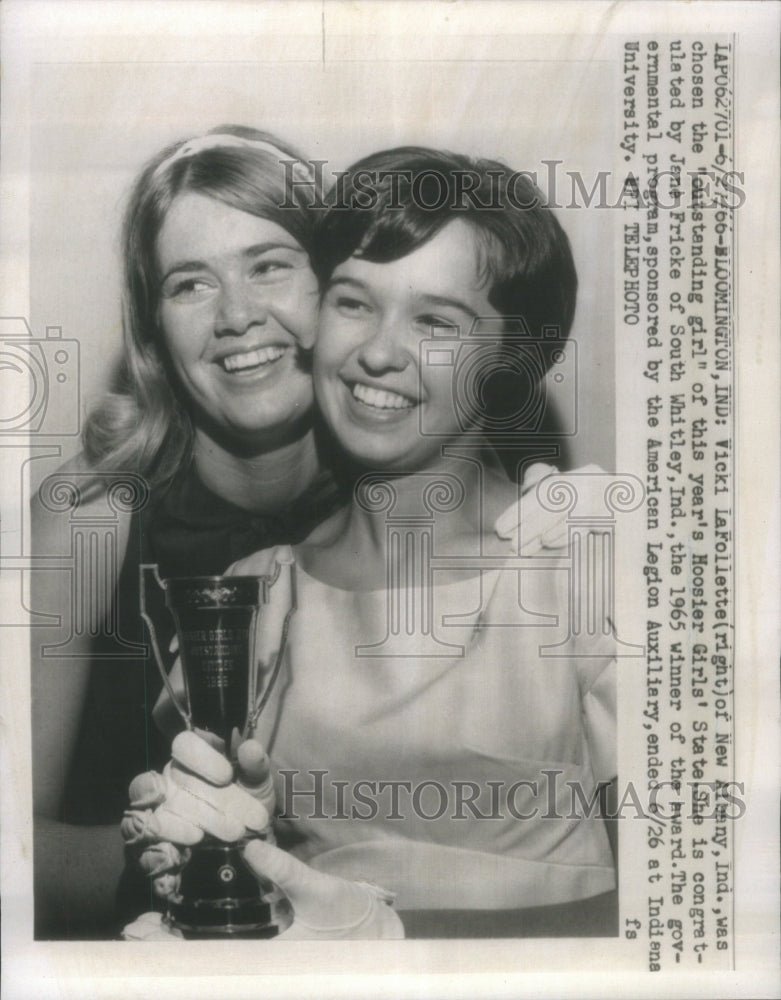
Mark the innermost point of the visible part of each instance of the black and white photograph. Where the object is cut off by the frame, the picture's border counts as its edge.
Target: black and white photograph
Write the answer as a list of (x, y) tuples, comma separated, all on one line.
[(390, 498)]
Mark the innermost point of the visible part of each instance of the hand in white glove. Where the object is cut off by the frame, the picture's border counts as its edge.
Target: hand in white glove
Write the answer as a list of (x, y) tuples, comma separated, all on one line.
[(194, 796), (192, 799), (325, 907), (531, 527)]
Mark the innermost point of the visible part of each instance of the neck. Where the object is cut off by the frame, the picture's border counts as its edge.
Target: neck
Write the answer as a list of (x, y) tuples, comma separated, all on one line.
[(264, 481), (474, 490)]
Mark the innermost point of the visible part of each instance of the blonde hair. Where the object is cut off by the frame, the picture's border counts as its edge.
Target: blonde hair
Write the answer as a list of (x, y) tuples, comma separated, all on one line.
[(143, 424)]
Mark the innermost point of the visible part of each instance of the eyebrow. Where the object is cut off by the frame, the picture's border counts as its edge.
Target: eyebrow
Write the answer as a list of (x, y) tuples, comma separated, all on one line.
[(256, 250), (446, 300), (354, 282), (433, 300)]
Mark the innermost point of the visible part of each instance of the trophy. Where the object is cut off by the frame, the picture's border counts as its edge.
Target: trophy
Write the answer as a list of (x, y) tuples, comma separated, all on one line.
[(217, 620)]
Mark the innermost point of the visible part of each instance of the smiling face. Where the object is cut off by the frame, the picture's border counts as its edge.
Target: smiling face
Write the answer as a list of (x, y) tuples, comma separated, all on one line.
[(372, 382), (238, 301)]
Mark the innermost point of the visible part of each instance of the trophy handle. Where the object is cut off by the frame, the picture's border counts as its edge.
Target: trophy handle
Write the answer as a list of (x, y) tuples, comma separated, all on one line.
[(261, 699), (148, 572)]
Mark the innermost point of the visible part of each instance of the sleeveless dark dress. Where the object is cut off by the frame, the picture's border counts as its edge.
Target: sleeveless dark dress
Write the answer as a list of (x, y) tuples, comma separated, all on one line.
[(187, 531)]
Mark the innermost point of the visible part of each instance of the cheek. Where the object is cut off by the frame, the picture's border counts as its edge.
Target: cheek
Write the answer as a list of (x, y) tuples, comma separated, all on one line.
[(323, 382), (298, 306), (330, 349), (181, 331), (327, 383), (174, 337), (437, 385)]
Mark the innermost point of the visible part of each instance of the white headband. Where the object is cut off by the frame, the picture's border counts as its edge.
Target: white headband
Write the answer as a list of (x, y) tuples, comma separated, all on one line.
[(301, 170)]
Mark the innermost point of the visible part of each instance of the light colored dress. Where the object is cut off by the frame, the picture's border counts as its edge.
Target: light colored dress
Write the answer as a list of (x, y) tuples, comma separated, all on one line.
[(492, 748)]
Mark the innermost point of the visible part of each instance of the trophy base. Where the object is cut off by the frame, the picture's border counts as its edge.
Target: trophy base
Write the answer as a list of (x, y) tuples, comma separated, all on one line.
[(221, 897)]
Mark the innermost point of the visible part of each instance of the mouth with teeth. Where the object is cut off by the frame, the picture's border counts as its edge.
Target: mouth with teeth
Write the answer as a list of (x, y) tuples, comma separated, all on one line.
[(251, 360), (380, 399)]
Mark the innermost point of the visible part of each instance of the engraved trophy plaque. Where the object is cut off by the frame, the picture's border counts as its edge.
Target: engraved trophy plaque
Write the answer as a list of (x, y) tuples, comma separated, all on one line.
[(225, 689)]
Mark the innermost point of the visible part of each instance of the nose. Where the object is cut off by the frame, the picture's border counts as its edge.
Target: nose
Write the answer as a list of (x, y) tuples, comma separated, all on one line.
[(384, 350), (237, 310)]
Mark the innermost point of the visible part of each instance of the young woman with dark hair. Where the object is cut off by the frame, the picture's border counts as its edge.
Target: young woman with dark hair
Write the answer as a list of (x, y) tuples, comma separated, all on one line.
[(442, 702), (212, 420)]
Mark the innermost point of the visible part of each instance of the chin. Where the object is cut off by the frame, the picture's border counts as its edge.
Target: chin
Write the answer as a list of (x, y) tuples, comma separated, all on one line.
[(385, 461), (247, 432)]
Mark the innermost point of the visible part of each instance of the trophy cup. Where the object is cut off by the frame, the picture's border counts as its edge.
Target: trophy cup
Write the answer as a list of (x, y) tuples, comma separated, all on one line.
[(217, 620)]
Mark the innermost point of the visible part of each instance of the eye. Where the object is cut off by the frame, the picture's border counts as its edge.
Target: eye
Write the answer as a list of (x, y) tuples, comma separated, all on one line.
[(270, 269), (432, 322), (186, 289), (276, 264), (349, 305)]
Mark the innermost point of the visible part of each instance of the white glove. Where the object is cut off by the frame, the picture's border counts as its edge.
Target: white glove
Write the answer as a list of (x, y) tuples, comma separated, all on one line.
[(529, 526), (151, 927), (195, 796), (325, 907)]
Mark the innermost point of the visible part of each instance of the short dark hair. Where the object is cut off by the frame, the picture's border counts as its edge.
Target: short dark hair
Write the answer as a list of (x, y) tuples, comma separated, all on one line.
[(392, 202)]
